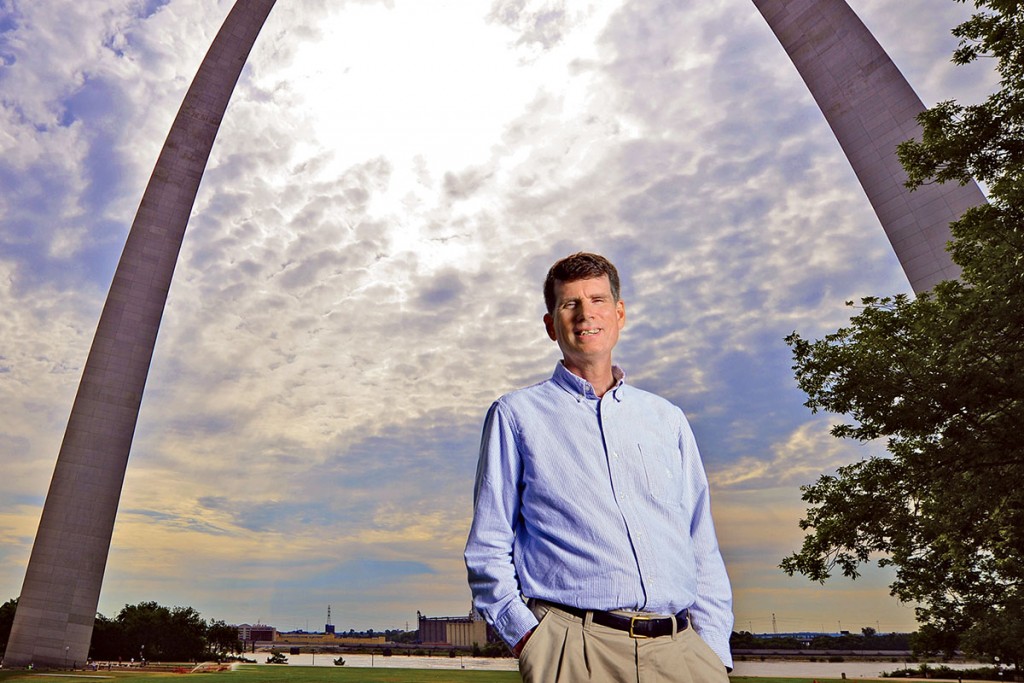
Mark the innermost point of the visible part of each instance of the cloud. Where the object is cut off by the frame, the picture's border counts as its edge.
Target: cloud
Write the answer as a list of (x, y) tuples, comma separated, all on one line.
[(809, 451), (361, 273), (542, 25)]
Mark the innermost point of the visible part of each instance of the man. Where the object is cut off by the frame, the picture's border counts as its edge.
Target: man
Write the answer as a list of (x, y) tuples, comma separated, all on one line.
[(592, 551)]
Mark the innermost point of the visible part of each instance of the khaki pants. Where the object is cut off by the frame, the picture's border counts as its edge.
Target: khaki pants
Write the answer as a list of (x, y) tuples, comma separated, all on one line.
[(567, 649)]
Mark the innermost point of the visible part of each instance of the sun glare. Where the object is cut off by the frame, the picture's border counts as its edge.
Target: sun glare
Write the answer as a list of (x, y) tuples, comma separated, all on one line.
[(434, 89), (428, 79)]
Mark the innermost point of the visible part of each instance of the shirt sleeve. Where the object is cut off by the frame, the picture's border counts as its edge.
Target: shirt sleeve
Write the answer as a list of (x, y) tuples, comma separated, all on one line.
[(489, 548), (711, 613)]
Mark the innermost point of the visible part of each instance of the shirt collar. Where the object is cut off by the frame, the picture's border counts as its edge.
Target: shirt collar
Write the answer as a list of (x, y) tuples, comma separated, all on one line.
[(577, 386)]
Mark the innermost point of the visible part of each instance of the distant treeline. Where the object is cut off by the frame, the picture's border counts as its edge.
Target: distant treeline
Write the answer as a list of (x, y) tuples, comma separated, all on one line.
[(867, 639), (392, 635), (148, 631), (152, 632)]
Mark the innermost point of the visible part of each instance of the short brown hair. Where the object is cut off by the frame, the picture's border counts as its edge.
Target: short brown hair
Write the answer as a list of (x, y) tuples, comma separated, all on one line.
[(579, 266)]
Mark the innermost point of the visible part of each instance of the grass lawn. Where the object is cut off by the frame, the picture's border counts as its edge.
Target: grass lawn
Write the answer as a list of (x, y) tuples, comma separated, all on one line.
[(301, 674)]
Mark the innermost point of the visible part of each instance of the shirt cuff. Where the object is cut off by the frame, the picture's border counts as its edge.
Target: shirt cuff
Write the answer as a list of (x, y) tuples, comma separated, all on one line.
[(514, 622), (719, 645)]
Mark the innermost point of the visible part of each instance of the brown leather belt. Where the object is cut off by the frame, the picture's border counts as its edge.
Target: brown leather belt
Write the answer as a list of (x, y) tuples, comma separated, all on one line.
[(637, 626)]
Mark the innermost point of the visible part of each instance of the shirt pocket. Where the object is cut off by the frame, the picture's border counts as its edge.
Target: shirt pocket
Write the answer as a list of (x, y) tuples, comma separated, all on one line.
[(663, 468)]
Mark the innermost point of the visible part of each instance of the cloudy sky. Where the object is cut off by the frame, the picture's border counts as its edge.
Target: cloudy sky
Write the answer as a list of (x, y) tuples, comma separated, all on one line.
[(361, 277)]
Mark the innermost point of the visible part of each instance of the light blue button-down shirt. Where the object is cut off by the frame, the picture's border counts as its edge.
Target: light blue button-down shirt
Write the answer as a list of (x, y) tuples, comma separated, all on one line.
[(597, 503)]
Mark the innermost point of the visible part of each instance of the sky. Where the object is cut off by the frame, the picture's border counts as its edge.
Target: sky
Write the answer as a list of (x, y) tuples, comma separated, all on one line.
[(361, 278)]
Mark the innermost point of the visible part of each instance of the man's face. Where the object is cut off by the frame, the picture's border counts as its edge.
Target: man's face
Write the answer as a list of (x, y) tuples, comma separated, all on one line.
[(585, 321)]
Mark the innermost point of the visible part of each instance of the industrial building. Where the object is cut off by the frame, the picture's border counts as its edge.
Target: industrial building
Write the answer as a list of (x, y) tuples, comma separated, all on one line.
[(464, 631)]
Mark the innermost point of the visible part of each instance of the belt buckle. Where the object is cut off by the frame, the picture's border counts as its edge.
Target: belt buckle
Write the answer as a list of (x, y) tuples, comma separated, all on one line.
[(632, 622)]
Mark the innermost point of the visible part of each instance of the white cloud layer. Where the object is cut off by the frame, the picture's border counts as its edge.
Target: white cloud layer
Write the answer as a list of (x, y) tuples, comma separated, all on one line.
[(361, 275)]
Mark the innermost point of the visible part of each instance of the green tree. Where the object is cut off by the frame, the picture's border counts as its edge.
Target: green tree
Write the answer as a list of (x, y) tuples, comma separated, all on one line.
[(145, 629), (7, 621), (931, 641), (186, 638), (222, 638), (107, 639), (151, 631), (940, 378)]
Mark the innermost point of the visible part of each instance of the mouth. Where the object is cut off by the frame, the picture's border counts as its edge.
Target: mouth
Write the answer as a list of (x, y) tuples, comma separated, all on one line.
[(588, 333)]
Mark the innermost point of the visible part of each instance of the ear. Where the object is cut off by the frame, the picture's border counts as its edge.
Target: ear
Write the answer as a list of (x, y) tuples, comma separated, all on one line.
[(620, 313), (549, 325)]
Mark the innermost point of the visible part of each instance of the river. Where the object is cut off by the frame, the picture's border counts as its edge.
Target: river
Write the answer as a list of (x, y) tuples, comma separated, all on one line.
[(853, 669)]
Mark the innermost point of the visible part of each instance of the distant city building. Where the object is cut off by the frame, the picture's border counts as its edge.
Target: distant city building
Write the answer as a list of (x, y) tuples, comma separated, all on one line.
[(455, 631), (258, 633)]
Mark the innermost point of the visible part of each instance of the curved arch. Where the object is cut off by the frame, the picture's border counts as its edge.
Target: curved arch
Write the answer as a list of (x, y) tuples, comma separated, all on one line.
[(57, 607), (871, 108)]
